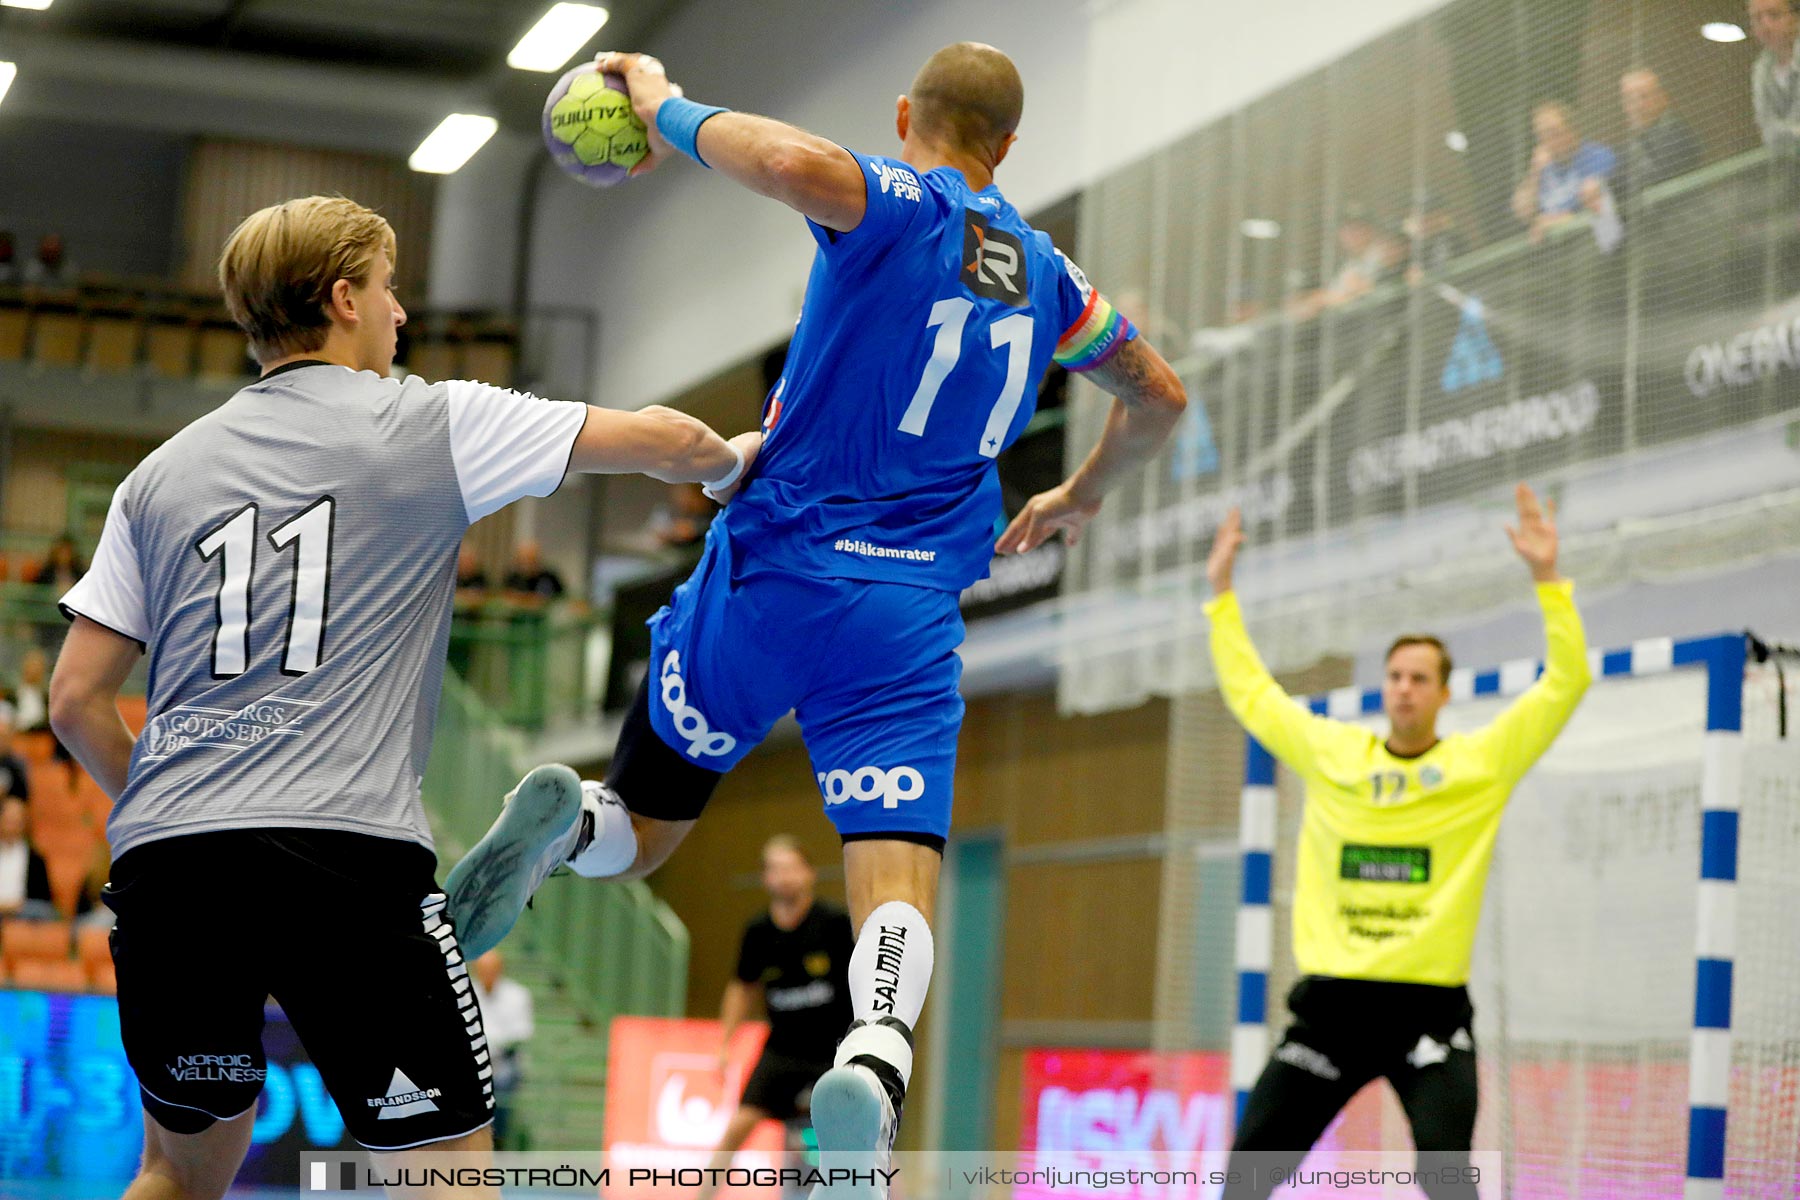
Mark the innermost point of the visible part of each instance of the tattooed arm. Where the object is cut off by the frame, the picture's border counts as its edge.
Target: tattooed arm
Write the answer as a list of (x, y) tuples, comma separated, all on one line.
[(1149, 399)]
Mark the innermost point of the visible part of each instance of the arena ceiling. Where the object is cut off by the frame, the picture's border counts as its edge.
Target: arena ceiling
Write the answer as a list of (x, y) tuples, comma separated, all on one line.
[(354, 74)]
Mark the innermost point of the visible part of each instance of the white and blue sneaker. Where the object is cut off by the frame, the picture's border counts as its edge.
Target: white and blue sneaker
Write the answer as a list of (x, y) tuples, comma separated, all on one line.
[(538, 829), (855, 1121)]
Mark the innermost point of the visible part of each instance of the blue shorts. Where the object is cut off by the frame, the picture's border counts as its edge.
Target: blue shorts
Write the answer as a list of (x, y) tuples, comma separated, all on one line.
[(869, 669)]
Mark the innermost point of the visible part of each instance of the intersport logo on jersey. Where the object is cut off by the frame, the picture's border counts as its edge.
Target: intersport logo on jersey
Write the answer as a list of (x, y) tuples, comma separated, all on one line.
[(898, 180), (691, 724), (872, 783)]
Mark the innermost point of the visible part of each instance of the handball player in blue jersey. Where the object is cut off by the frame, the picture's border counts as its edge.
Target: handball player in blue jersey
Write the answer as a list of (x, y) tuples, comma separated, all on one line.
[(829, 585)]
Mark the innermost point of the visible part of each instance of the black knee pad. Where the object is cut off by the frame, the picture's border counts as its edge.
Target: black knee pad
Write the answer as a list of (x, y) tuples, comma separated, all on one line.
[(651, 777)]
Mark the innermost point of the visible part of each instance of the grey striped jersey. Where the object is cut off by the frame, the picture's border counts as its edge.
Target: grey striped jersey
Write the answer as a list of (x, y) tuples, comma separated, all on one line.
[(288, 562)]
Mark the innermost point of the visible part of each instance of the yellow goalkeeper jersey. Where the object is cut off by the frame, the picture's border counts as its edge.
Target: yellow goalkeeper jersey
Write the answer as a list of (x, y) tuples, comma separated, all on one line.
[(1394, 852)]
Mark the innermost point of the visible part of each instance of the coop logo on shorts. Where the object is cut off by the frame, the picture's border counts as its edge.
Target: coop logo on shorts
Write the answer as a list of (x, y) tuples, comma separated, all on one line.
[(872, 783), (690, 723), (898, 180)]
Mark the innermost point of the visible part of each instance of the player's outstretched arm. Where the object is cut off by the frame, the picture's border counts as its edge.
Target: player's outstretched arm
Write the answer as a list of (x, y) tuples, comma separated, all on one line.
[(810, 174), (84, 701), (1518, 736), (664, 444), (1285, 727), (1534, 538), (1148, 400)]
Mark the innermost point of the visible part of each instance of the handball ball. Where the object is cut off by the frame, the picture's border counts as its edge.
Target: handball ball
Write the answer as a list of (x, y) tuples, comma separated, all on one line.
[(590, 128)]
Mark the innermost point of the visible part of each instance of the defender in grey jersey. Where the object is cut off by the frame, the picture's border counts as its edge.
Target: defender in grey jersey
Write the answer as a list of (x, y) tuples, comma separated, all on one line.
[(287, 562)]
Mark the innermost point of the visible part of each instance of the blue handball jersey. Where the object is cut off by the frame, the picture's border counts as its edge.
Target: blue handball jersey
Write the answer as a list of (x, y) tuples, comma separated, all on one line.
[(916, 361)]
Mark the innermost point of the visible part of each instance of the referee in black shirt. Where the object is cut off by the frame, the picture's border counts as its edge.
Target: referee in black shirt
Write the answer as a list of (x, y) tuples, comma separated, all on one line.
[(798, 955)]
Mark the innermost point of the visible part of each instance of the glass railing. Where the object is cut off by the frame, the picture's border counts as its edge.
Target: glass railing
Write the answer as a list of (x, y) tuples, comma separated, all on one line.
[(614, 947), (1517, 360), (533, 667)]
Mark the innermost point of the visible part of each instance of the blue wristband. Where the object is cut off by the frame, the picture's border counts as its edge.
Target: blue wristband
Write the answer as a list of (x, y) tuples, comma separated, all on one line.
[(679, 119)]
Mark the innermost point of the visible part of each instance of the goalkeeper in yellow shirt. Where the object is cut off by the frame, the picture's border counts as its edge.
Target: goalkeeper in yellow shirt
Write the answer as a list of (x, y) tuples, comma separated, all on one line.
[(1394, 849)]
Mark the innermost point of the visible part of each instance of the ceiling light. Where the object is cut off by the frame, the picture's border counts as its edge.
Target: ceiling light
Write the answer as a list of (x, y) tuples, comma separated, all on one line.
[(1722, 31), (7, 71), (557, 36), (452, 143), (39, 5), (1260, 228), (1457, 140)]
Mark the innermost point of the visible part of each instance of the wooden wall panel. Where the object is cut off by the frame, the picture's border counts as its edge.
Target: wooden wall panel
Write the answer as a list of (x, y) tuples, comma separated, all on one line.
[(1080, 941), (36, 495), (228, 180)]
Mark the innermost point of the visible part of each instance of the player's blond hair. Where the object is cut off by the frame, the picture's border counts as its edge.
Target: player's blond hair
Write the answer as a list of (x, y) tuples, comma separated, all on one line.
[(278, 268), (968, 94)]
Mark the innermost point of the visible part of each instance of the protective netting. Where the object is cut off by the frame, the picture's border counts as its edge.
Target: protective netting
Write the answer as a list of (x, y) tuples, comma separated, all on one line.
[(1762, 1143), (1583, 977), (1382, 325)]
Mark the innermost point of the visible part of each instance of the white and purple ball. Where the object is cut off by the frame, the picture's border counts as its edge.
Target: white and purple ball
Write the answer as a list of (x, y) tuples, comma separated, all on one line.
[(590, 129)]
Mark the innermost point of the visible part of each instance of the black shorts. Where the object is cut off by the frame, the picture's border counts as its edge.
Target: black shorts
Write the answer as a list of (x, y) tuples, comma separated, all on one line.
[(782, 1086), (347, 932)]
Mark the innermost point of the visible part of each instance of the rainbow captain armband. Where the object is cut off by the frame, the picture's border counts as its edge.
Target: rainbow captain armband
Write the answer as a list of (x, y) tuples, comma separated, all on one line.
[(1095, 336), (679, 119)]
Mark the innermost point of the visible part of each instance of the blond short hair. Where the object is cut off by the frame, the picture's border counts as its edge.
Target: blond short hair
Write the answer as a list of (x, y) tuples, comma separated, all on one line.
[(278, 268), (789, 843)]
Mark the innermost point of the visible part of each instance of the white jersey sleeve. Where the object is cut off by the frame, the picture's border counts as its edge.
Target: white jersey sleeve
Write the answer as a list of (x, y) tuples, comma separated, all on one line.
[(112, 591), (506, 445)]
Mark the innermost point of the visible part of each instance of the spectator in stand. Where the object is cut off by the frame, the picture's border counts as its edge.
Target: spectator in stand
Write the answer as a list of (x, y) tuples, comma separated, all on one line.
[(31, 698), (31, 707), (1368, 255), (1661, 145), (15, 779), (471, 579), (1556, 185), (51, 268), (61, 566), (24, 879), (506, 1015), (1774, 81), (9, 267), (90, 905), (1435, 237), (530, 579)]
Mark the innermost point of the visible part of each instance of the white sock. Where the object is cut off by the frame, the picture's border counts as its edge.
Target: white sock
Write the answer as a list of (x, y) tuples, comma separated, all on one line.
[(615, 846), (890, 971)]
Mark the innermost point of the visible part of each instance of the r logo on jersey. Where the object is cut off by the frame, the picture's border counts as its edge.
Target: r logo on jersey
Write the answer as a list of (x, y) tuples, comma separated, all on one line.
[(993, 262)]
